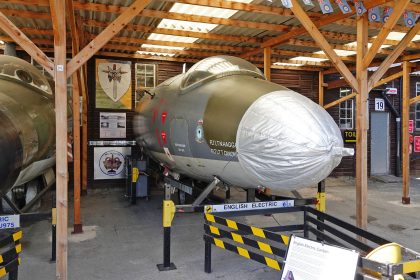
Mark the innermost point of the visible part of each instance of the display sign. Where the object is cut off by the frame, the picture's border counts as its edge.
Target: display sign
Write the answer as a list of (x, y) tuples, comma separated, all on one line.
[(112, 125), (9, 221), (410, 138), (110, 162), (349, 136), (391, 91), (249, 206), (312, 260), (113, 84), (417, 144), (379, 104), (410, 126)]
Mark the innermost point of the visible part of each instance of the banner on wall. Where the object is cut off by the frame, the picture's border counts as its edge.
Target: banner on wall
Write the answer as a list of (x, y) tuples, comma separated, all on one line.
[(113, 84), (112, 125), (109, 162)]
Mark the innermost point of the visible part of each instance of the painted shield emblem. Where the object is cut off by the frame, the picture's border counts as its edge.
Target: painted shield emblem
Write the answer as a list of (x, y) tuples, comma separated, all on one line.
[(114, 78)]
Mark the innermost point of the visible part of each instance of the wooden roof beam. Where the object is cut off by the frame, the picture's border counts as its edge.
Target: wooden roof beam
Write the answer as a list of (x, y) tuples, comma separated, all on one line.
[(383, 33), (22, 40), (324, 20), (254, 8), (175, 32), (130, 40), (323, 44), (184, 17), (96, 44), (394, 55)]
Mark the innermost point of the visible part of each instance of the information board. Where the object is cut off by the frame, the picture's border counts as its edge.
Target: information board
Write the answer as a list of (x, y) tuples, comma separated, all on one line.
[(312, 260), (9, 221), (249, 206)]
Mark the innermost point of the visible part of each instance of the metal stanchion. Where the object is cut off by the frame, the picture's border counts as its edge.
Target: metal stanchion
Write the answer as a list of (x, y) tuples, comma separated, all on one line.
[(168, 216), (207, 256), (53, 234)]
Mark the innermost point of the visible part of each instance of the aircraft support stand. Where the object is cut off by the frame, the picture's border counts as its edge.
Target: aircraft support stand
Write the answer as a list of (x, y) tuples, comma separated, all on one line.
[(168, 216), (210, 187)]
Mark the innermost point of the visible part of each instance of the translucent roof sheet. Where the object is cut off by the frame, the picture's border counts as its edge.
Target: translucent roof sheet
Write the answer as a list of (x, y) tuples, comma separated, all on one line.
[(171, 38)]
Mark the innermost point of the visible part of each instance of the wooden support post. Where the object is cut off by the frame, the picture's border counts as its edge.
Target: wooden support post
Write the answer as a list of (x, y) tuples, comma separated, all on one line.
[(405, 135), (267, 63), (58, 15), (77, 221), (84, 130), (321, 88), (362, 123)]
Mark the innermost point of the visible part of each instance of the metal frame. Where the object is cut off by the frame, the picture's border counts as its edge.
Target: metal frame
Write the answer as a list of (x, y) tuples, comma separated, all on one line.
[(222, 231)]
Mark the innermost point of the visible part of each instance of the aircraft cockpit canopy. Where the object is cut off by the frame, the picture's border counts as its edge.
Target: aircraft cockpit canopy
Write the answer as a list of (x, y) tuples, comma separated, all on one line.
[(13, 68), (219, 65)]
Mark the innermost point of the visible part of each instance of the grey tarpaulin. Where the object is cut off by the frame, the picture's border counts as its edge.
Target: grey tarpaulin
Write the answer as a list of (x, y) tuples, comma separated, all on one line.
[(290, 143)]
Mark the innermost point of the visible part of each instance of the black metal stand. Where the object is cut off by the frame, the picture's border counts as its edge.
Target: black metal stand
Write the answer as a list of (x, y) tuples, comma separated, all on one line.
[(207, 256), (250, 195), (167, 265), (13, 275)]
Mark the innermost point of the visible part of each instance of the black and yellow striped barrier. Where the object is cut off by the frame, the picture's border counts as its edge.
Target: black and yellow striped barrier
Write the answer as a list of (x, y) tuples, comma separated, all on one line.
[(250, 242), (247, 229), (9, 259)]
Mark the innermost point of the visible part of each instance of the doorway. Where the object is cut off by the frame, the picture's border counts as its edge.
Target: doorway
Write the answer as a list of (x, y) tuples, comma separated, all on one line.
[(379, 140)]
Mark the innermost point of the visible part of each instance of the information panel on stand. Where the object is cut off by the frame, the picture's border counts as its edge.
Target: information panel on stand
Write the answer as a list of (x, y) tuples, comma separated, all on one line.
[(260, 205), (312, 260)]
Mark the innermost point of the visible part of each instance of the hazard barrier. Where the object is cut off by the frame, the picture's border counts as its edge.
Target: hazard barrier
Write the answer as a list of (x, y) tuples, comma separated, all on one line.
[(268, 245), (9, 259)]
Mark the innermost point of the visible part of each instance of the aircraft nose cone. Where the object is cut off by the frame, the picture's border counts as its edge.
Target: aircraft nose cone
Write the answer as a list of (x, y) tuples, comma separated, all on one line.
[(287, 141)]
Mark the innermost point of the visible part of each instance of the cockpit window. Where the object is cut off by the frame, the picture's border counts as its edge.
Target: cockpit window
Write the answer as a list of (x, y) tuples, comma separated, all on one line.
[(18, 69), (217, 65)]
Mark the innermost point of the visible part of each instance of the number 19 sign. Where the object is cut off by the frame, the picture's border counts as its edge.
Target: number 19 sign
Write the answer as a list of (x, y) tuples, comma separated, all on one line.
[(379, 104)]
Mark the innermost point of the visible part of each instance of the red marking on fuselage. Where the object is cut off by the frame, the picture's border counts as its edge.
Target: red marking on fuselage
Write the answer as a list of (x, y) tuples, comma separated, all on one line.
[(164, 115), (163, 134)]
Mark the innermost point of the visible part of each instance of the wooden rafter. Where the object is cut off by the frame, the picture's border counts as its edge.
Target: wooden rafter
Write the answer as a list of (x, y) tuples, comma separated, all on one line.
[(323, 44), (325, 20), (341, 100), (176, 32), (394, 55), (100, 40), (22, 40), (130, 40), (384, 31)]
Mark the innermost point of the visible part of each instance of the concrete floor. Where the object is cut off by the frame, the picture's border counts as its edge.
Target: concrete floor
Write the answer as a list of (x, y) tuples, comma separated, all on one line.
[(124, 242)]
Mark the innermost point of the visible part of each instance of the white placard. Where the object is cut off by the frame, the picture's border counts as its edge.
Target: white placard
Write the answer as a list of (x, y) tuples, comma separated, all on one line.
[(379, 104), (112, 125), (249, 206), (9, 221), (311, 260), (110, 162), (392, 91)]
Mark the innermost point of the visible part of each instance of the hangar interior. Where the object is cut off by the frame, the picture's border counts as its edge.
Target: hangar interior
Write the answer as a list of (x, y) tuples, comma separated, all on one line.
[(358, 60)]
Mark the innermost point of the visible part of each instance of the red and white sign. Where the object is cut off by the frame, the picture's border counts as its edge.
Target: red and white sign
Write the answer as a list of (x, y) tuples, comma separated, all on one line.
[(410, 126), (410, 137), (416, 144), (391, 91)]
